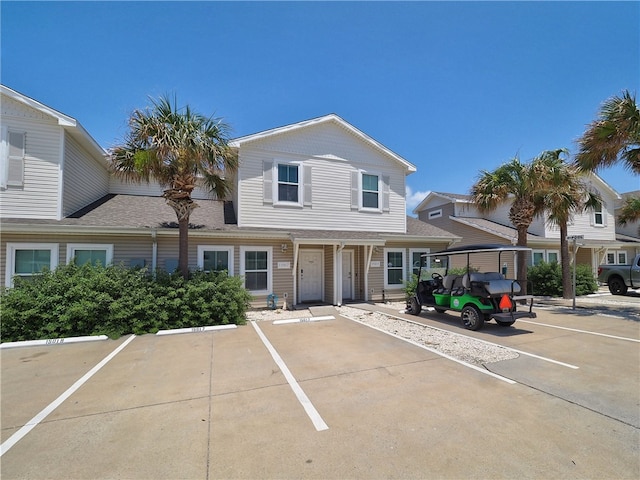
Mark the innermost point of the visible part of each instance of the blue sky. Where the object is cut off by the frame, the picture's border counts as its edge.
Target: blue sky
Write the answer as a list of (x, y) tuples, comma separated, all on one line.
[(453, 87)]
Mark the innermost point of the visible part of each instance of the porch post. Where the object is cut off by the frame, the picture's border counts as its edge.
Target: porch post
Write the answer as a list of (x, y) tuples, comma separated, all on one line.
[(368, 252), (294, 272)]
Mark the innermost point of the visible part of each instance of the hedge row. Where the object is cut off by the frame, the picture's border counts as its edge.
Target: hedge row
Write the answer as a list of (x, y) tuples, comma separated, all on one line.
[(94, 300)]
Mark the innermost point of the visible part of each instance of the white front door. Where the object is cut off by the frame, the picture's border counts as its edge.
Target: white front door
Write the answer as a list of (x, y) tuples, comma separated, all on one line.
[(310, 275), (347, 275)]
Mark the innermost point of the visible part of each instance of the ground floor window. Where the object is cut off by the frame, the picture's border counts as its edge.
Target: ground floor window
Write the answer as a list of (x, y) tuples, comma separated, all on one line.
[(28, 259), (394, 270), (90, 253), (617, 258), (215, 258), (255, 268), (548, 256), (417, 260)]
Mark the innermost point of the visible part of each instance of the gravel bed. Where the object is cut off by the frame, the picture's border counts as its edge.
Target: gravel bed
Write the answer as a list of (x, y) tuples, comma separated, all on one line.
[(458, 346)]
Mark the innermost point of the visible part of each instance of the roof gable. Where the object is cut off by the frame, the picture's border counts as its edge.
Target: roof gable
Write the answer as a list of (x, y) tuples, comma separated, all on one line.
[(448, 197), (70, 124), (331, 119)]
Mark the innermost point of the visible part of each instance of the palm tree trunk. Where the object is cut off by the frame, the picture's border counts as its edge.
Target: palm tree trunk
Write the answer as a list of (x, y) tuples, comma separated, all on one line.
[(183, 247), (567, 285), (522, 259)]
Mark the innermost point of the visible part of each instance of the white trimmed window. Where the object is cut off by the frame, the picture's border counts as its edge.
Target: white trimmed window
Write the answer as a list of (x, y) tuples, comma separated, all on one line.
[(548, 256), (616, 258), (12, 153), (370, 192), (28, 259), (256, 269), (215, 258), (598, 216), (417, 260), (90, 253), (286, 184), (289, 187), (394, 267)]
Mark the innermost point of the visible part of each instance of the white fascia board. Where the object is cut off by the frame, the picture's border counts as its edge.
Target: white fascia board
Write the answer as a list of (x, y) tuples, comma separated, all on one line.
[(63, 120), (409, 168)]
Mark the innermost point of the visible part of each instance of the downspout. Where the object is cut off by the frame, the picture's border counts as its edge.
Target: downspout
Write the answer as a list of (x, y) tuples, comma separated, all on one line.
[(154, 252)]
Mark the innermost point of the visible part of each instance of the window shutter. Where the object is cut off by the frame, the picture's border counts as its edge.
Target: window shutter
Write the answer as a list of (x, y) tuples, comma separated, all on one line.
[(385, 193), (15, 172), (306, 194), (267, 181), (354, 190), (4, 157)]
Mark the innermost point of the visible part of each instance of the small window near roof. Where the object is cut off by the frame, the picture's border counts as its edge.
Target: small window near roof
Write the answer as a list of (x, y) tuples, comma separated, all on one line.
[(435, 214)]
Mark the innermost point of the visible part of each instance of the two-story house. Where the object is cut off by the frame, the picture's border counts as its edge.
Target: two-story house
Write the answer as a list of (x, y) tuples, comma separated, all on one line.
[(317, 213), (457, 213)]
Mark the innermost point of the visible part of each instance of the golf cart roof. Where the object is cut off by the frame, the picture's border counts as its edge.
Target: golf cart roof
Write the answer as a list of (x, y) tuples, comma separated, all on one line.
[(481, 248)]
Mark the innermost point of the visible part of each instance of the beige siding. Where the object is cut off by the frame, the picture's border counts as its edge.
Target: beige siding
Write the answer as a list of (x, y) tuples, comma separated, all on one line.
[(333, 154), (38, 198), (85, 177)]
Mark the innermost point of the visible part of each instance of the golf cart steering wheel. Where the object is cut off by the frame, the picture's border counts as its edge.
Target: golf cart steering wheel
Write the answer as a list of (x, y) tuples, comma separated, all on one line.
[(437, 277)]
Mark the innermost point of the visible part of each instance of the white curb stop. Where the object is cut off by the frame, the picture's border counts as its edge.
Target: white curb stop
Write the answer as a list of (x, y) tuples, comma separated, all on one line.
[(53, 341), (304, 319), (211, 328)]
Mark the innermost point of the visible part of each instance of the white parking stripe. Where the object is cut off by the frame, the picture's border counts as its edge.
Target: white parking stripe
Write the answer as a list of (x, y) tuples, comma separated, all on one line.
[(31, 424), (582, 331), (546, 359), (449, 357), (313, 414)]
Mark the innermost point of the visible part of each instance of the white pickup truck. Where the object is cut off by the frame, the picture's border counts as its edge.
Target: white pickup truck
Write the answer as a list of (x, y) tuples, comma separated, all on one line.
[(620, 278)]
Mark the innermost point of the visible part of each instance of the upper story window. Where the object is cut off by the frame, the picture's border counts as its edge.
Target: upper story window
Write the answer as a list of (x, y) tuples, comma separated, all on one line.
[(288, 183), (598, 216), (90, 253), (13, 153), (369, 192), (28, 259)]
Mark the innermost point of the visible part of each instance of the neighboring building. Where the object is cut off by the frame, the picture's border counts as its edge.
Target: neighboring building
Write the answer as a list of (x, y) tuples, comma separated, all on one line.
[(317, 212), (456, 213)]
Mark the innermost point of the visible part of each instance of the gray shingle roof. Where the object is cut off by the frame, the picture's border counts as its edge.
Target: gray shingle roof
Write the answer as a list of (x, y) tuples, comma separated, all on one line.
[(146, 212)]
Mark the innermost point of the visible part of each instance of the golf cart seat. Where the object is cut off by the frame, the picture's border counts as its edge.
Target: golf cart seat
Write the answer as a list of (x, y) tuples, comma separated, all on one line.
[(449, 284), (493, 283)]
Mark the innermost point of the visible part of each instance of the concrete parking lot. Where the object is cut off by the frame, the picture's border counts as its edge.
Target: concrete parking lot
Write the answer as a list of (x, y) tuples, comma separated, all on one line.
[(219, 405)]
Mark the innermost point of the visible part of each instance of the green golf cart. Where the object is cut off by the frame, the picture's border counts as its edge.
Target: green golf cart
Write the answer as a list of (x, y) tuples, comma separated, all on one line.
[(479, 297)]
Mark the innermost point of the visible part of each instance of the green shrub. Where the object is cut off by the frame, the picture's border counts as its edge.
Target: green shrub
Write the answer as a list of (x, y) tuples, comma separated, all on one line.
[(546, 279), (93, 300)]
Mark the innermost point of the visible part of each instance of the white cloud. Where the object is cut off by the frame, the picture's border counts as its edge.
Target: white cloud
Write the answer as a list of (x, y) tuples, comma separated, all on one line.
[(413, 199)]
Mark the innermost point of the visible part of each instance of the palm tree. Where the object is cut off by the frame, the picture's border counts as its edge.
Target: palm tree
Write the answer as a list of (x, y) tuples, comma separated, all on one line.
[(516, 183), (179, 149), (614, 137), (630, 211), (563, 194)]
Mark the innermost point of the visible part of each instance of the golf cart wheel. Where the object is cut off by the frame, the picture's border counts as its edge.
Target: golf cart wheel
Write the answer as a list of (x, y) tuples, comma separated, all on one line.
[(414, 308), (617, 286), (502, 323), (472, 319)]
